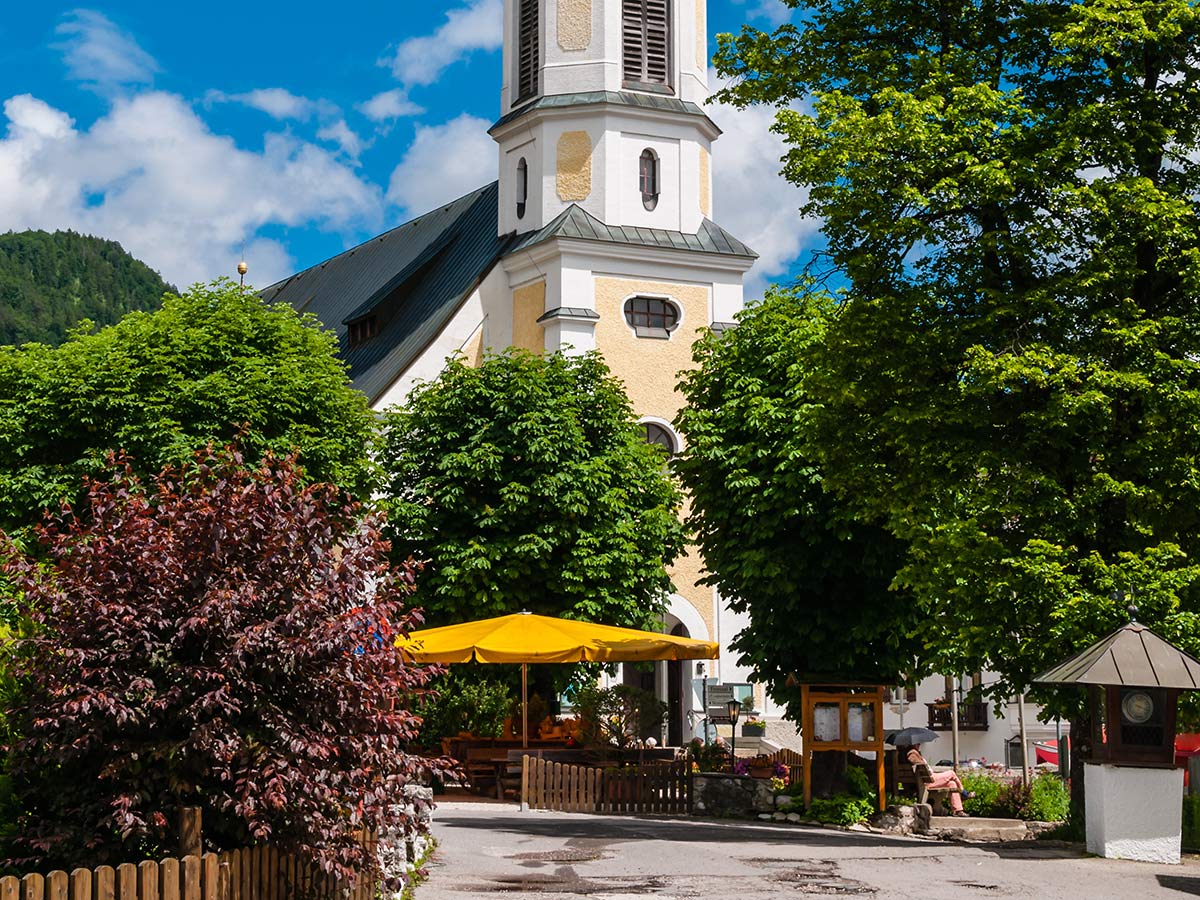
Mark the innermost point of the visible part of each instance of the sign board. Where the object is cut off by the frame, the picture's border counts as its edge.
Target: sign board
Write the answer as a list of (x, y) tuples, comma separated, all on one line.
[(719, 695)]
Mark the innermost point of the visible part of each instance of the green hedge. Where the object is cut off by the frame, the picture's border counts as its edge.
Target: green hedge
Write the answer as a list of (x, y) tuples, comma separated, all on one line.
[(1047, 798), (1191, 823)]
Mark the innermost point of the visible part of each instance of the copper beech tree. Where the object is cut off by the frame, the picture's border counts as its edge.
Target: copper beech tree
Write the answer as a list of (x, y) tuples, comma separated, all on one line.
[(221, 638)]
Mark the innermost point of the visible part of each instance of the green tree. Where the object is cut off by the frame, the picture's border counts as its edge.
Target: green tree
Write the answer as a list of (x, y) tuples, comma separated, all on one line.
[(526, 483), (1011, 382), (49, 283), (209, 365), (814, 579)]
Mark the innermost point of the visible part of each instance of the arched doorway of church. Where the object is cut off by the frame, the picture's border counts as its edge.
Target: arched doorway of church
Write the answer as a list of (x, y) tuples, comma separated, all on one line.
[(668, 680)]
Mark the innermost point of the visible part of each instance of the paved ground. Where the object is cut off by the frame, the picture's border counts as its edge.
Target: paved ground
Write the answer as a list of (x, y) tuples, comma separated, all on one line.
[(496, 850)]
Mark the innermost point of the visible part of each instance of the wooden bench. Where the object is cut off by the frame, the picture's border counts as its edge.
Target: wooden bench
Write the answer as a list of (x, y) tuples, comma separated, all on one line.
[(481, 766), (926, 794)]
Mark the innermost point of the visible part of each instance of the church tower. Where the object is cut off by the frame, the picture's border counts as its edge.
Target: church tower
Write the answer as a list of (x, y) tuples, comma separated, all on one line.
[(598, 235), (606, 187), (601, 107)]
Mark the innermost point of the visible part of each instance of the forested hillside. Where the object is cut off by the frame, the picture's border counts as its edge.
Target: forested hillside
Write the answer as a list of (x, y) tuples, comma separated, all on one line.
[(49, 282)]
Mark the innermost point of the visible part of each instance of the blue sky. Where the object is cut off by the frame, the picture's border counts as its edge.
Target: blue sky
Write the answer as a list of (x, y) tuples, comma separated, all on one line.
[(183, 130)]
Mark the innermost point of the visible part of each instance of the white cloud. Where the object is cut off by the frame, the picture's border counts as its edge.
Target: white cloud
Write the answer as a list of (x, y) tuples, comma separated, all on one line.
[(389, 105), (339, 133), (477, 26), (278, 103), (751, 199), (100, 54), (443, 163), (151, 175)]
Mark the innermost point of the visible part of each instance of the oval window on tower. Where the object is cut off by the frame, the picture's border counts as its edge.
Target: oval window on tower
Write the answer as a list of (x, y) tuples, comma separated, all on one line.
[(522, 187), (648, 178), (651, 317)]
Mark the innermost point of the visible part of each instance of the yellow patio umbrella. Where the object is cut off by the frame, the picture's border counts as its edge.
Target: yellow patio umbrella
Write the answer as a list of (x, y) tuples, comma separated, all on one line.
[(527, 638)]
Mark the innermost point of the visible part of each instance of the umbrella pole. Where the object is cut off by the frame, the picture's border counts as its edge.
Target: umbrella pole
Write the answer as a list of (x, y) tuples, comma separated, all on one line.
[(524, 706)]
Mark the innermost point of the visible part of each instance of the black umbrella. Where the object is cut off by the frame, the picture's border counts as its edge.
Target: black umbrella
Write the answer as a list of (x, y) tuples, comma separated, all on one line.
[(906, 737)]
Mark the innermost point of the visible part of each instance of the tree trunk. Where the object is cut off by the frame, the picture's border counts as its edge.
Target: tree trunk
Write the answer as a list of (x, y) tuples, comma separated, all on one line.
[(1081, 751)]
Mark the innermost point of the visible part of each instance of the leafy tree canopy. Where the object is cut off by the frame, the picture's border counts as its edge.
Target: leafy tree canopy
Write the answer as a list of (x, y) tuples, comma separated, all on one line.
[(49, 283), (212, 363), (815, 580), (526, 483), (1011, 381), (221, 638)]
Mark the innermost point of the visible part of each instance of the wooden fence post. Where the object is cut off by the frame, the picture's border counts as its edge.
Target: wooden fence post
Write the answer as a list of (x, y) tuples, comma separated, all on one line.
[(191, 841), (1194, 775)]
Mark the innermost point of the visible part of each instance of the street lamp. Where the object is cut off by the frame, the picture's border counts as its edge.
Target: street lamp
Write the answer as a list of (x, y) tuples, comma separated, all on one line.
[(734, 708)]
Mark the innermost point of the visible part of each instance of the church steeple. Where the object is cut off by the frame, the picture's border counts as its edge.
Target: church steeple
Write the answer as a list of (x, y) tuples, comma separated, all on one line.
[(601, 108), (554, 47)]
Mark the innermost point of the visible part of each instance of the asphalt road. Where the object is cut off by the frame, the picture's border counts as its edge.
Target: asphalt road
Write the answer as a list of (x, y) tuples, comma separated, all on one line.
[(496, 850)]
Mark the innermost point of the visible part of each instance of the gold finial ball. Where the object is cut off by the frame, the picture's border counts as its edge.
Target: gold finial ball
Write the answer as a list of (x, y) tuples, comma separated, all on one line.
[(243, 268)]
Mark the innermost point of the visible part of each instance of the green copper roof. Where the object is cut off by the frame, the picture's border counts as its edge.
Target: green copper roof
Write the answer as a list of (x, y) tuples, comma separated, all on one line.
[(574, 222), (616, 98)]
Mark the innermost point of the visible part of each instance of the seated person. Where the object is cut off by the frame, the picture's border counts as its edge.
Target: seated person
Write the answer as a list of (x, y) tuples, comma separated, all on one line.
[(941, 780)]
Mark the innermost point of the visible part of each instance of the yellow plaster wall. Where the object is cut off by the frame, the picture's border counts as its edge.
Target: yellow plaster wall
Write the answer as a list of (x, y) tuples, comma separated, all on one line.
[(702, 34), (473, 350), (574, 166), (685, 574), (648, 368), (574, 24), (705, 183), (529, 302)]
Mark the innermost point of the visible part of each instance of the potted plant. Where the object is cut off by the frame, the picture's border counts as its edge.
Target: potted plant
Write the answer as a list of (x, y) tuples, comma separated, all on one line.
[(753, 726)]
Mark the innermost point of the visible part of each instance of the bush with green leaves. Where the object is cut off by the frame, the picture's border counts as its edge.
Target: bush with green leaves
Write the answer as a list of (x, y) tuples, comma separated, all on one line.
[(842, 809), (1191, 822), (617, 717), (464, 700), (986, 788), (857, 783), (212, 364), (1049, 799), (1046, 799)]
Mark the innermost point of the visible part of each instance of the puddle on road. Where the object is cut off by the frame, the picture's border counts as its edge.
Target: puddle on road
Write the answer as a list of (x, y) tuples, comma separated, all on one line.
[(561, 856), (977, 885), (566, 882), (821, 878)]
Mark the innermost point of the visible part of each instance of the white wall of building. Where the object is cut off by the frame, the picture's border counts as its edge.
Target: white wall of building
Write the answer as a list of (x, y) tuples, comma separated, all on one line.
[(973, 745)]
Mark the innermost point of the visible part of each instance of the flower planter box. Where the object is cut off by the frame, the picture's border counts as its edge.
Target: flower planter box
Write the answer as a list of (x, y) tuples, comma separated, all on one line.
[(754, 730)]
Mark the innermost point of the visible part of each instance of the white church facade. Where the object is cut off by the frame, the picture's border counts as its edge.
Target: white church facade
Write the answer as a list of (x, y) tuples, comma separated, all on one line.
[(598, 235)]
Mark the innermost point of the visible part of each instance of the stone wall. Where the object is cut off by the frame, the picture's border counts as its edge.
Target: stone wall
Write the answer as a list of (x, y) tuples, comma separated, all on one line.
[(714, 794)]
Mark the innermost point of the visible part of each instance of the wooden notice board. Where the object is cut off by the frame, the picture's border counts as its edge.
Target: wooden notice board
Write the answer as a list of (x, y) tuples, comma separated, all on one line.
[(843, 718)]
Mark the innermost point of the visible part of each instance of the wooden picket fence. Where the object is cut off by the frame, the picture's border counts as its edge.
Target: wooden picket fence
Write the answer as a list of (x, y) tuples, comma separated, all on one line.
[(663, 788), (257, 873)]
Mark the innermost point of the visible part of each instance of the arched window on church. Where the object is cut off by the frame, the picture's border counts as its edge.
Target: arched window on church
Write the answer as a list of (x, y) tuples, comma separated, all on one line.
[(646, 44), (662, 436), (529, 55), (648, 178), (522, 187)]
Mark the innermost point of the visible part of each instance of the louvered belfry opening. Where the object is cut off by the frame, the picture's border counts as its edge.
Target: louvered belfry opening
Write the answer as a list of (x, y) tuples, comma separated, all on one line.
[(529, 57), (646, 43)]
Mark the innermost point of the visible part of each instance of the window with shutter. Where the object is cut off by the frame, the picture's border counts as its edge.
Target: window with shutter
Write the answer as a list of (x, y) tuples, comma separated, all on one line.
[(529, 57), (646, 43)]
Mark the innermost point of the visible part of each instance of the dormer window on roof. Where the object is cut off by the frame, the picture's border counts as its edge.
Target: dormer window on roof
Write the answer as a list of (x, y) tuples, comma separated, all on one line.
[(646, 44), (363, 330)]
